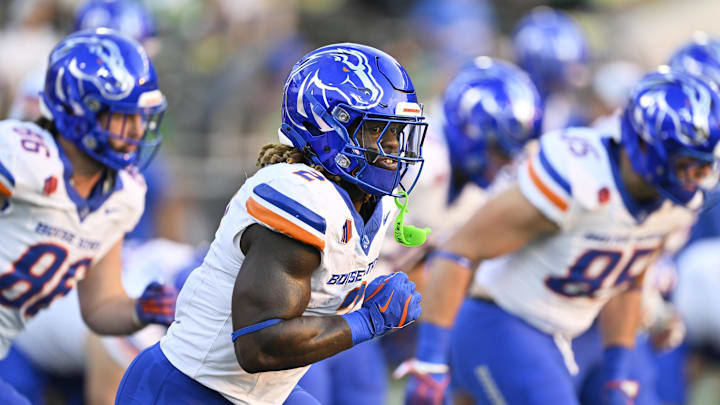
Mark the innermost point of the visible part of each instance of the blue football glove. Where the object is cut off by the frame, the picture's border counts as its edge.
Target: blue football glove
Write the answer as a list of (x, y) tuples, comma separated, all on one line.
[(390, 302), (429, 373), (618, 388), (156, 304)]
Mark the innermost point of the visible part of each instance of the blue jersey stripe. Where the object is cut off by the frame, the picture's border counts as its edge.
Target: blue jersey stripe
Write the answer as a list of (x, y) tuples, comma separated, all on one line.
[(6, 173), (290, 206), (553, 173)]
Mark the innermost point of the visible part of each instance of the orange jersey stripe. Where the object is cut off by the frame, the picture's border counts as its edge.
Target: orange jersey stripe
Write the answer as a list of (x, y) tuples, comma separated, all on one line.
[(282, 225), (554, 198), (4, 191)]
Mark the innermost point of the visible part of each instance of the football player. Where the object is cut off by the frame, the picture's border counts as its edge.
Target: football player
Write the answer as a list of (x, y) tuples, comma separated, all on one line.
[(69, 190), (491, 110), (574, 234), (488, 112), (34, 362), (289, 277), (553, 50)]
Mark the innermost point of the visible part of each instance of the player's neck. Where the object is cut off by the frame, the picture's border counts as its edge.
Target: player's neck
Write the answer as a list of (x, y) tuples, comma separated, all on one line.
[(86, 170), (639, 189), (357, 196)]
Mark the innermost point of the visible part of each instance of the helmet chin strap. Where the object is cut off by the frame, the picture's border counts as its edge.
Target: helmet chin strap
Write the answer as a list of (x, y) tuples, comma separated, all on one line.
[(407, 235)]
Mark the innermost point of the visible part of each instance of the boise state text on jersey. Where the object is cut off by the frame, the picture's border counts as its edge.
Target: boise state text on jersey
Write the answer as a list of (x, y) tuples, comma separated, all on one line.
[(559, 283), (52, 236), (297, 201)]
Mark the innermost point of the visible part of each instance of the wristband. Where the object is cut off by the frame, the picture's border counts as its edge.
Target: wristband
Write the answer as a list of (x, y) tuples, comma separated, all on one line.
[(433, 343), (616, 361), (361, 328), (460, 260)]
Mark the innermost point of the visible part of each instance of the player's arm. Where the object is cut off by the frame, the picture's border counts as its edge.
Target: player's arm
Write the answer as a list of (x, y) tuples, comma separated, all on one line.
[(274, 284), (106, 307), (505, 223), (620, 320), (104, 304)]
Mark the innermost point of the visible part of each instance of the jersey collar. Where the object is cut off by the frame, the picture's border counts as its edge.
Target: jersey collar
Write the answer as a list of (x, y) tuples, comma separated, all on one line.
[(97, 196), (366, 231)]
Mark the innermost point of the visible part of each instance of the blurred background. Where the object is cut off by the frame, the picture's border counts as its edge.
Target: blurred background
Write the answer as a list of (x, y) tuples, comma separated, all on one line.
[(222, 63)]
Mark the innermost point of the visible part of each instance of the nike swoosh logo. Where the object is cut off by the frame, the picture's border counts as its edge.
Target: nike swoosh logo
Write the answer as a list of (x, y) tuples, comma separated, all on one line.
[(387, 304), (386, 217)]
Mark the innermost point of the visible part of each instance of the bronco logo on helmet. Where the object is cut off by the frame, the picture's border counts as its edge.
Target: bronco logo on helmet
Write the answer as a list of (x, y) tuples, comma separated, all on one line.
[(352, 68)]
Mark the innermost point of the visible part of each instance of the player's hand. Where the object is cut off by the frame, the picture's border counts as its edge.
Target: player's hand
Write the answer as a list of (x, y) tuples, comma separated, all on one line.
[(620, 392), (668, 332), (427, 382), (156, 304), (391, 302)]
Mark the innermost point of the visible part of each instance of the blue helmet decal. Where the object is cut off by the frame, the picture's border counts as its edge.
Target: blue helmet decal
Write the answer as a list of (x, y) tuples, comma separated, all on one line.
[(112, 80), (671, 116), (552, 48), (700, 57), (101, 72), (488, 102), (334, 95), (130, 17)]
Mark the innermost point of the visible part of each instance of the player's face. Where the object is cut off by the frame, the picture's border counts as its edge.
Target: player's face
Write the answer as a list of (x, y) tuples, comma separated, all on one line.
[(368, 136), (123, 126), (694, 173), (498, 159)]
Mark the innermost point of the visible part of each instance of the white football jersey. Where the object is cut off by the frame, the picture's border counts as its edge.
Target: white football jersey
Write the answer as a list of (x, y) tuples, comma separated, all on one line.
[(51, 236), (64, 355), (559, 283), (297, 201)]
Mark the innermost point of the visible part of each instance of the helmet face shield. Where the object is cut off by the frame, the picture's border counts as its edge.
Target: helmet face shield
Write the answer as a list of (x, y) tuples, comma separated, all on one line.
[(693, 172), (671, 131), (388, 145), (102, 94), (353, 110), (131, 138)]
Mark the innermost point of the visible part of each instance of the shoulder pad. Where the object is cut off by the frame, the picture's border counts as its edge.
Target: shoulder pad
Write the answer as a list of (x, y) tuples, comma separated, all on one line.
[(291, 199), (28, 157), (566, 173)]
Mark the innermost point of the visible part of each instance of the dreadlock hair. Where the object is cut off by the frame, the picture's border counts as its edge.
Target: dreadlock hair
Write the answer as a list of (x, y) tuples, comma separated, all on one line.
[(278, 153)]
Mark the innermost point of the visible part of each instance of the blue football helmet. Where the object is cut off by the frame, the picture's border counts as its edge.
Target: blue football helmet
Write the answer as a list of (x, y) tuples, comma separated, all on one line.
[(701, 57), (489, 103), (100, 73), (670, 128), (551, 48), (129, 17), (353, 110)]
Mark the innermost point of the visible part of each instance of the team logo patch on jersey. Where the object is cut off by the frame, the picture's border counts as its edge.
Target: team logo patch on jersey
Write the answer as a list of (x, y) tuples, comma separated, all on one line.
[(603, 195), (50, 185), (346, 231)]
